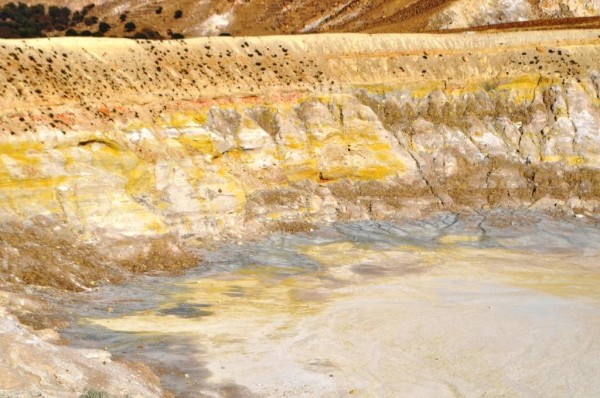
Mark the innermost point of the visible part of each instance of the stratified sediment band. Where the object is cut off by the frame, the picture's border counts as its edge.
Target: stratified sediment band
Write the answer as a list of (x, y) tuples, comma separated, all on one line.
[(223, 137)]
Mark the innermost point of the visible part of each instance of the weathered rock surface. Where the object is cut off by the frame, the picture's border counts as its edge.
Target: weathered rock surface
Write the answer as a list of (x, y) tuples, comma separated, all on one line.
[(215, 138), (117, 154), (33, 365)]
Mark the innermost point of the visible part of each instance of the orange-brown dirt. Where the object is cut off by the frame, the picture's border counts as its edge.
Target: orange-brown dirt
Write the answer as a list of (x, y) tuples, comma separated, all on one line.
[(268, 17), (44, 253)]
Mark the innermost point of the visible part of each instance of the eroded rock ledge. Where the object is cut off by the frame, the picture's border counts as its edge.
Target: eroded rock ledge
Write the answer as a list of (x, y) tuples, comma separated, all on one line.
[(224, 138)]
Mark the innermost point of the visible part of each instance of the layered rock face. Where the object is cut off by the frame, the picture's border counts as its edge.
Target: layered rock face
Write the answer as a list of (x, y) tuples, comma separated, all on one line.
[(118, 154), (218, 138)]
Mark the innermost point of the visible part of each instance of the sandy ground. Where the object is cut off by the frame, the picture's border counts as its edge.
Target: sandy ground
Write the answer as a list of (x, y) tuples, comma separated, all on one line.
[(399, 319)]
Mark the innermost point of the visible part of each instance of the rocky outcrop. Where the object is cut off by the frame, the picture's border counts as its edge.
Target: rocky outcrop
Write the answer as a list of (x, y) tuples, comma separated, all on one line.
[(228, 138), (33, 365)]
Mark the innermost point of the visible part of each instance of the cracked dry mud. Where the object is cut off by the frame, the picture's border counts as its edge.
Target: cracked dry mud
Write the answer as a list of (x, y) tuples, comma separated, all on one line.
[(487, 304)]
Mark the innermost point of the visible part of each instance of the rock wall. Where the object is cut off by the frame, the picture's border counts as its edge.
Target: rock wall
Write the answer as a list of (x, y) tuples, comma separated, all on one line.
[(228, 138)]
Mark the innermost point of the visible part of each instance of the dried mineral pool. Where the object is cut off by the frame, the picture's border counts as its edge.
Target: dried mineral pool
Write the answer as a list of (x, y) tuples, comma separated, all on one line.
[(497, 304)]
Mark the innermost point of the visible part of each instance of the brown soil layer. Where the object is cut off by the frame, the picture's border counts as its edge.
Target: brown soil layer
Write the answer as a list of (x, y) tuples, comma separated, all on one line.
[(270, 17), (43, 252)]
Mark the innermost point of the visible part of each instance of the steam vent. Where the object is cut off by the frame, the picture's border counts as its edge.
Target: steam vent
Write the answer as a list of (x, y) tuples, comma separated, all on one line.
[(392, 199)]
